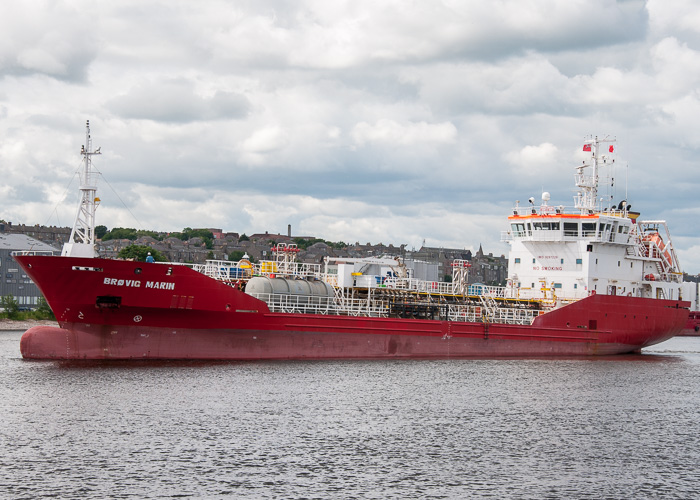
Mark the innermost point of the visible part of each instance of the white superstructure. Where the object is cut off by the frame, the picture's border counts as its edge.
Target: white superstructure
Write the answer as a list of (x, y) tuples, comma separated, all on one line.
[(566, 254)]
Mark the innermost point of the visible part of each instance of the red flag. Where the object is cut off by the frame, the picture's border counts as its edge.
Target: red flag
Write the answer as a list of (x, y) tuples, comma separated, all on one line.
[(586, 147), (611, 148)]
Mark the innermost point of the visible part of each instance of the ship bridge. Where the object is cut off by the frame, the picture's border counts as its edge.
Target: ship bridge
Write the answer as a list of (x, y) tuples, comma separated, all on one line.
[(600, 227)]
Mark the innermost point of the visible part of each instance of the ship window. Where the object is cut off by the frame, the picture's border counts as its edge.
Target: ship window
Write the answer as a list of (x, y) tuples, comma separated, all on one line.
[(518, 228), (517, 260), (619, 229), (631, 265), (575, 286), (562, 261), (589, 248), (557, 285), (588, 228), (579, 261), (618, 263), (570, 229), (529, 229), (533, 285), (545, 226), (533, 261)]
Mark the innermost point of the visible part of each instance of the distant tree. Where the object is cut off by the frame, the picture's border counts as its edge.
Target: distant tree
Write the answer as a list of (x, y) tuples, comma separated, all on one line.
[(210, 255), (43, 311), (236, 255), (127, 233), (10, 306), (140, 252), (153, 234), (100, 231), (306, 243), (189, 233), (243, 238), (120, 233)]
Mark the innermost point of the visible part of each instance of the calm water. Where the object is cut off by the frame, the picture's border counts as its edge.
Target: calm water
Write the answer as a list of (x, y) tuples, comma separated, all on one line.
[(622, 427)]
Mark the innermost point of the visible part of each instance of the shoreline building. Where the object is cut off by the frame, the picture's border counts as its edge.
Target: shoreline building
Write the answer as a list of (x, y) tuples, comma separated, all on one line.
[(14, 281)]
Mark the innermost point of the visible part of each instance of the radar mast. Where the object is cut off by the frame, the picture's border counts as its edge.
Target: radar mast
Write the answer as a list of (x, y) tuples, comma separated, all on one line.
[(586, 199)]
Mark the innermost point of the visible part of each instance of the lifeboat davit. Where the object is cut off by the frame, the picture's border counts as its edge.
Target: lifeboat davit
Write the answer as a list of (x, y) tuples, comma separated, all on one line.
[(656, 240)]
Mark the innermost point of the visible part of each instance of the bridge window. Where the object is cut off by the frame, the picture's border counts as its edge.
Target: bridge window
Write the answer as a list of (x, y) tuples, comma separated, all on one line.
[(588, 228), (545, 226), (518, 228), (570, 229), (579, 261)]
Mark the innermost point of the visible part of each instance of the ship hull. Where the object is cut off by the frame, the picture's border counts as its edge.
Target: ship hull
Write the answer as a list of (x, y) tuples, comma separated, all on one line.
[(110, 309), (692, 327)]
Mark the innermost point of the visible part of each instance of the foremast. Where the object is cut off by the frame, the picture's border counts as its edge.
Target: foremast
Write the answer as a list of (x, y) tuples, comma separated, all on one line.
[(82, 237)]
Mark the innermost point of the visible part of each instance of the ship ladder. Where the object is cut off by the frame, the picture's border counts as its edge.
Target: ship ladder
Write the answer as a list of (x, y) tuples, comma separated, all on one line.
[(490, 307)]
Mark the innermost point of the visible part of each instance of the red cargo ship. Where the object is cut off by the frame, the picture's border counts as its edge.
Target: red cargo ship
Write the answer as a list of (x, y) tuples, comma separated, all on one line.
[(592, 281)]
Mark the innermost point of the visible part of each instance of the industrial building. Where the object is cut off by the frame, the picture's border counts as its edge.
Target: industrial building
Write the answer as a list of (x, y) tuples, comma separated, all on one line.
[(14, 282)]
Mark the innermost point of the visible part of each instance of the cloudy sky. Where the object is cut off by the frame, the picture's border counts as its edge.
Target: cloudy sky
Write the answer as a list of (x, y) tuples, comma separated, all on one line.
[(371, 121)]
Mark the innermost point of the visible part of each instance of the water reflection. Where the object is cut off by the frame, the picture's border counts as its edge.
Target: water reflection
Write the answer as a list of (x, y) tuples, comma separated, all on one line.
[(618, 427)]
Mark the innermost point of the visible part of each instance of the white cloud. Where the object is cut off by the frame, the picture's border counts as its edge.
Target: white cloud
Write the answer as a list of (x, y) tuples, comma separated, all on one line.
[(390, 132), (534, 160), (177, 101), (50, 38), (357, 121)]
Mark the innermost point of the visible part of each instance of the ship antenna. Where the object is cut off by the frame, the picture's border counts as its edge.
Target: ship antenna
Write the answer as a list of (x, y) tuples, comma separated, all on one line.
[(82, 237), (586, 198)]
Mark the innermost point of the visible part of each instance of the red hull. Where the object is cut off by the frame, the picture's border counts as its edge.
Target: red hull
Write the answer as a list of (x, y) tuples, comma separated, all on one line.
[(692, 327), (121, 310)]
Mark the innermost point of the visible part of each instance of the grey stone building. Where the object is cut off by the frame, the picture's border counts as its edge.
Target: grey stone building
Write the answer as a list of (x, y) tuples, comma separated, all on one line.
[(14, 281)]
